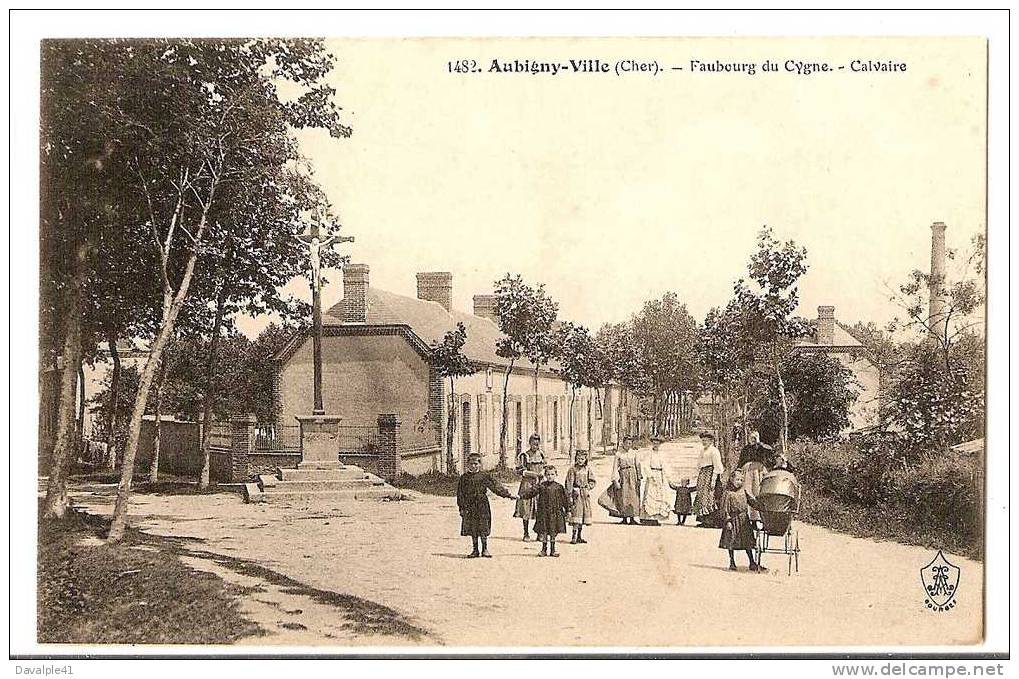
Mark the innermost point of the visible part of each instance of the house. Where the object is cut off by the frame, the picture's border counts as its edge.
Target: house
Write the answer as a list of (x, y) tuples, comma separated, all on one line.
[(833, 338), (92, 379), (375, 360)]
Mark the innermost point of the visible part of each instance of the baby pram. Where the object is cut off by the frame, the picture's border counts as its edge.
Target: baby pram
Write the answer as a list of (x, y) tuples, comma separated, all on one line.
[(778, 502)]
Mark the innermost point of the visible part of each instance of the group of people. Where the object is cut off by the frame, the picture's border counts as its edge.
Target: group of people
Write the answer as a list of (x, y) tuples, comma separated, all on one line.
[(540, 498), (637, 494)]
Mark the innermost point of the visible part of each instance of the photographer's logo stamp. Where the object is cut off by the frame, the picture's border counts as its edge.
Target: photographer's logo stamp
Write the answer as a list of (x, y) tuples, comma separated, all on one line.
[(940, 581)]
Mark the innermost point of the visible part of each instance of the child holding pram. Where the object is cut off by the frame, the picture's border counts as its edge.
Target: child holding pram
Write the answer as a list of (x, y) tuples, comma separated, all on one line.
[(738, 530)]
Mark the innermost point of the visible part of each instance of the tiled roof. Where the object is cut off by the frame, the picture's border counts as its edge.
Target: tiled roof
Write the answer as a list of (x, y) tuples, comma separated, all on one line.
[(842, 338), (429, 321)]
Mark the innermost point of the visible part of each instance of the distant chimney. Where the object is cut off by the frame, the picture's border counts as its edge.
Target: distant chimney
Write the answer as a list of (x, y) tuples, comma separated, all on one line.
[(937, 287), (826, 325), (484, 307), (355, 293), (436, 286)]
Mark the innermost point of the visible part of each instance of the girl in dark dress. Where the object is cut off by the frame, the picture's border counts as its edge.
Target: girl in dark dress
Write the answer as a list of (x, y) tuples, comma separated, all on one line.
[(738, 532), (550, 515), (472, 501)]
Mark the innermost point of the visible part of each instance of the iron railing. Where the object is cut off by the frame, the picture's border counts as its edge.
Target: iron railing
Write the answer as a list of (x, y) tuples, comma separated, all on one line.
[(358, 439), (278, 438)]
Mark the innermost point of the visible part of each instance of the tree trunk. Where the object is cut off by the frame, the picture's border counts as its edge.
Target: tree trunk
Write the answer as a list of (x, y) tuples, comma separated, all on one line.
[(210, 389), (80, 430), (156, 441), (55, 504), (111, 426), (784, 431), (171, 308), (505, 416)]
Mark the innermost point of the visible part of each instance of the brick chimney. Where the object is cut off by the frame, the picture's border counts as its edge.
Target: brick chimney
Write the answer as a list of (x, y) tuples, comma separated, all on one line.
[(484, 307), (436, 286), (937, 292), (826, 325), (355, 293)]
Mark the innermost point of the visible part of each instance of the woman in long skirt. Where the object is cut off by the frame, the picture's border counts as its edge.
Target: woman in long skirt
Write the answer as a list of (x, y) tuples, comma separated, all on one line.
[(708, 481), (626, 486), (531, 465), (654, 507)]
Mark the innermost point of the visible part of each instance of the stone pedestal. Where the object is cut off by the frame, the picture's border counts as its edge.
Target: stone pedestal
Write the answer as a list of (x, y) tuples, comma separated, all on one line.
[(320, 437)]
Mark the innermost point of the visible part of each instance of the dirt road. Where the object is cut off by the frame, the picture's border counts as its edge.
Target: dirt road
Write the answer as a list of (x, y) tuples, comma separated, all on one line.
[(394, 573)]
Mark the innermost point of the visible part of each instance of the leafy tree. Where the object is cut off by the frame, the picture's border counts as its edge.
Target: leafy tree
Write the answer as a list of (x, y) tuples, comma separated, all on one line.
[(820, 391), (963, 300), (210, 126), (727, 356), (580, 364), (934, 408), (263, 370), (770, 297), (665, 337), (621, 364), (937, 397), (449, 361), (77, 183), (526, 318)]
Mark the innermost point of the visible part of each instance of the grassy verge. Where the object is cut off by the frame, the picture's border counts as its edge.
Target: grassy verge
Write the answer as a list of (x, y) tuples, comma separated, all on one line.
[(934, 503), (167, 484), (93, 593), (882, 523), (444, 485)]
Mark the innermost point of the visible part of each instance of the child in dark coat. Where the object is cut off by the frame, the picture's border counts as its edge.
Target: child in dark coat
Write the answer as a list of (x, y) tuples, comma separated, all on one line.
[(683, 506), (553, 504), (472, 501)]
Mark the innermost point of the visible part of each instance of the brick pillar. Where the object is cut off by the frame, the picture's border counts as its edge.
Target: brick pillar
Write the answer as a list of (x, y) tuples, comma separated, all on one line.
[(277, 392), (437, 407), (389, 445), (242, 444)]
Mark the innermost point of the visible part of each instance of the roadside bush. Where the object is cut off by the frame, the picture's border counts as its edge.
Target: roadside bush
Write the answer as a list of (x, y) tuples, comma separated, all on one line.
[(861, 488)]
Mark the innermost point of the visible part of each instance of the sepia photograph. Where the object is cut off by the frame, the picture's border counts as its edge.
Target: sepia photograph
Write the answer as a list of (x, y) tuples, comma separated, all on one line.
[(534, 344)]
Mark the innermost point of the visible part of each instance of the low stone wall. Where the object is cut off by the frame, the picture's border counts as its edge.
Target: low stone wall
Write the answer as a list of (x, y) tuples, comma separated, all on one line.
[(268, 463), (421, 461)]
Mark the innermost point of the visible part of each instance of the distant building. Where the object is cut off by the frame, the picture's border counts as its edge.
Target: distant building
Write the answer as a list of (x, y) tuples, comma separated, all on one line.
[(95, 376), (375, 360), (833, 338)]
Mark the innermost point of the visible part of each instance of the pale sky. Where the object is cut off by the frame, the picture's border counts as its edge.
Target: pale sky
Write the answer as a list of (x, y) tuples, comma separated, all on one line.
[(612, 190)]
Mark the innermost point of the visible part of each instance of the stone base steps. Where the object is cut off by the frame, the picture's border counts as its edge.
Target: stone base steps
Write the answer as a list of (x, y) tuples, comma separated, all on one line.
[(365, 493), (346, 474), (320, 481)]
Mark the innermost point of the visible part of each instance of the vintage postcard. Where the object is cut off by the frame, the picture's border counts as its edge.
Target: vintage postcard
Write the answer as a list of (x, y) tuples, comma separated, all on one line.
[(560, 344)]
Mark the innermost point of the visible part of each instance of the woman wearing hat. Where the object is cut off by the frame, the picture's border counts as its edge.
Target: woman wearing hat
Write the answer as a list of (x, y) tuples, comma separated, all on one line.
[(624, 492), (531, 465), (654, 507)]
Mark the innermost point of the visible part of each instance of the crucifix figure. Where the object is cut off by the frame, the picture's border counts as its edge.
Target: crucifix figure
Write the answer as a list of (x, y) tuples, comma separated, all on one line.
[(315, 252), (315, 245)]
